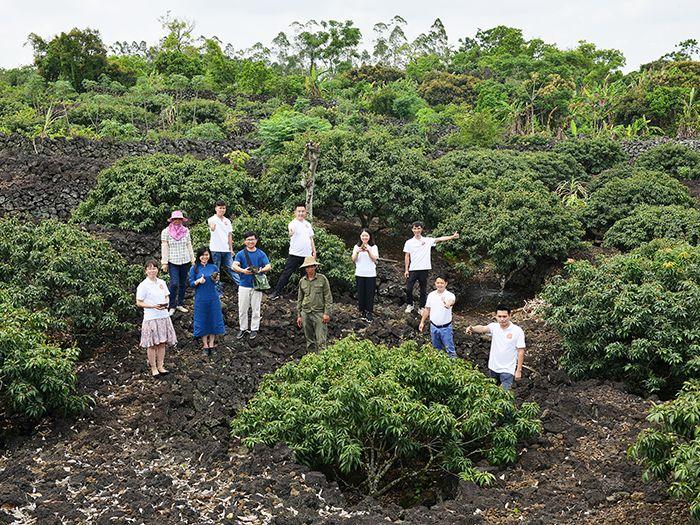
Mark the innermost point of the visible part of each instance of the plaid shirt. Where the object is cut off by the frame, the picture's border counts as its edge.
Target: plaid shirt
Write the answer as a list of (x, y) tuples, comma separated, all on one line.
[(177, 252)]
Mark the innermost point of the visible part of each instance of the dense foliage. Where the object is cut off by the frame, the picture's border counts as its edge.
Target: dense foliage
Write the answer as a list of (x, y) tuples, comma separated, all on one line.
[(366, 176), (595, 155), (274, 241), (550, 168), (670, 450), (362, 410), (514, 223), (139, 193), (493, 86), (83, 285), (619, 197), (655, 222), (36, 376), (632, 317), (674, 159)]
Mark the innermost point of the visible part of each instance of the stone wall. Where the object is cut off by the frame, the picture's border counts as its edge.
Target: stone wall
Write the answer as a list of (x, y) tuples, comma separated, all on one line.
[(48, 178)]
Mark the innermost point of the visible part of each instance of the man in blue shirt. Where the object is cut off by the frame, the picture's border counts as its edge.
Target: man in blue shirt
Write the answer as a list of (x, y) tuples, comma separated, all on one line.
[(248, 262)]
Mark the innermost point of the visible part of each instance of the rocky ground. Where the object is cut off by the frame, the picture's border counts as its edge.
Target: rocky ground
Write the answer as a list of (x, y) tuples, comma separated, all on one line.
[(158, 451)]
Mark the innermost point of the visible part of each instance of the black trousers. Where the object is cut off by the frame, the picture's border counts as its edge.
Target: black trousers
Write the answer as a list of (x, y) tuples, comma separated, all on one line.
[(292, 265), (365, 293), (422, 277)]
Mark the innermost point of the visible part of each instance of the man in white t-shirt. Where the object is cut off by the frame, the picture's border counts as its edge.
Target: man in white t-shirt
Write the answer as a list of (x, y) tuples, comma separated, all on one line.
[(301, 245), (439, 308), (507, 347), (417, 263), (221, 243)]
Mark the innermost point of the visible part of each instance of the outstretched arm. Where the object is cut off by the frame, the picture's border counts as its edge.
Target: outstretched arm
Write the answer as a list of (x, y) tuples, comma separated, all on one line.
[(477, 329), (455, 235)]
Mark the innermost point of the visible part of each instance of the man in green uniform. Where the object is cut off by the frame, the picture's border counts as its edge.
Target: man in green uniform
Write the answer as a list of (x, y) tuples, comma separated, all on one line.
[(314, 305)]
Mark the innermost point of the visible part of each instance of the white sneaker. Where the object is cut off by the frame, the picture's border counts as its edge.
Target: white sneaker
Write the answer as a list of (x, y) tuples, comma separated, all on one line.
[(182, 309), (409, 308), (171, 312)]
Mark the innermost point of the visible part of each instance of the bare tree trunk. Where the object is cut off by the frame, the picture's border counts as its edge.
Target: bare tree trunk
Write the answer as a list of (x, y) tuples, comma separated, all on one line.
[(311, 154)]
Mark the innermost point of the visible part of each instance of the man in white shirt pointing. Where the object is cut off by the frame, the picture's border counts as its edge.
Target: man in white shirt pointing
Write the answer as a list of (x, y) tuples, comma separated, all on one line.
[(417, 263), (507, 347)]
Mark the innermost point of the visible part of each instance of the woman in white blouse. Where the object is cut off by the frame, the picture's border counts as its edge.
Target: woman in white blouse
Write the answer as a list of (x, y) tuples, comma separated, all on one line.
[(365, 254), (157, 329)]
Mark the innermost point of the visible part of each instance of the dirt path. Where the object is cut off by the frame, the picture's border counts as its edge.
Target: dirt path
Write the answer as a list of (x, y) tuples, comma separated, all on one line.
[(158, 451)]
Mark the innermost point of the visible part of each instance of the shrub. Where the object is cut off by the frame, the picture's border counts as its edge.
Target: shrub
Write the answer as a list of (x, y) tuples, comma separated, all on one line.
[(441, 87), (654, 222), (365, 175), (670, 450), (138, 193), (550, 168), (674, 159), (199, 111), (515, 223), (286, 125), (554, 168), (618, 198), (621, 171), (361, 410), (274, 241), (631, 317), (81, 281), (595, 154), (36, 376), (113, 129), (206, 131)]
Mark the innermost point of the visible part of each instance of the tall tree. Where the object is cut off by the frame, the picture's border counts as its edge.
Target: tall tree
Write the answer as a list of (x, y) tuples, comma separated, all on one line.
[(74, 56)]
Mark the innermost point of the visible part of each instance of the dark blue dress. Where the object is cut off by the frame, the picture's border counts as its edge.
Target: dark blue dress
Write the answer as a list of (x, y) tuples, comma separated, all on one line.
[(208, 319)]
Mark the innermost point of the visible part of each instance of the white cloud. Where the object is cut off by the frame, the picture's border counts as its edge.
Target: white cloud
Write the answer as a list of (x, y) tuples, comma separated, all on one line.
[(642, 29)]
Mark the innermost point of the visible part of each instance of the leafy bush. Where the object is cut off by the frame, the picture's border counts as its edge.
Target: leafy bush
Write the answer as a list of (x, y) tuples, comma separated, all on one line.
[(36, 376), (362, 410), (550, 168), (81, 281), (286, 125), (199, 111), (595, 154), (138, 193), (670, 450), (618, 198), (274, 241), (113, 129), (206, 131), (654, 222), (515, 223), (674, 159), (365, 175), (441, 87), (632, 317)]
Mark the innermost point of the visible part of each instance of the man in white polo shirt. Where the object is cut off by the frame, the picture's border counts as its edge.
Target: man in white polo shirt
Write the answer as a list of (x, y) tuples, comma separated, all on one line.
[(417, 262), (507, 347), (301, 245), (439, 308), (221, 243)]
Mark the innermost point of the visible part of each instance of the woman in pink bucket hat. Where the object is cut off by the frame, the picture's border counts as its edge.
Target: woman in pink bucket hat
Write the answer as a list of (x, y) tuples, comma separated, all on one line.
[(177, 256)]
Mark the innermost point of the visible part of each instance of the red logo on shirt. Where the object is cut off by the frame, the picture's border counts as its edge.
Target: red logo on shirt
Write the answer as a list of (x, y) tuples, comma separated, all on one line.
[(509, 336)]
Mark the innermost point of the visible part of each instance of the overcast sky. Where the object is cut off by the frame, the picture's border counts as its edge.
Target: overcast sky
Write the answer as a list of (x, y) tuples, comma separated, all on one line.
[(642, 29)]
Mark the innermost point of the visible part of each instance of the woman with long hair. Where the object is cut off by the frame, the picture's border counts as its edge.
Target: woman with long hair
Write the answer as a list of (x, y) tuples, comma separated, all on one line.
[(365, 254), (208, 320)]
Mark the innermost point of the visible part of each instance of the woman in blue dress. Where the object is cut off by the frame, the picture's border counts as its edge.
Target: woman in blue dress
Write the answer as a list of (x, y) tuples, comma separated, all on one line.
[(208, 320)]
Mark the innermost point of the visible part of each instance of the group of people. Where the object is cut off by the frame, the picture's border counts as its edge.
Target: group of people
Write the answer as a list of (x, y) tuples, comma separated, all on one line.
[(248, 267)]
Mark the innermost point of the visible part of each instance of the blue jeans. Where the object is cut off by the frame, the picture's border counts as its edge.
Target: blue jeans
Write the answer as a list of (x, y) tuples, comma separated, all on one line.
[(442, 339), (224, 261), (503, 378), (178, 283)]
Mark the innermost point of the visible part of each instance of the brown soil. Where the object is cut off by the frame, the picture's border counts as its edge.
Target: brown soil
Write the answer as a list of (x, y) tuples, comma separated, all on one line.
[(158, 451)]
